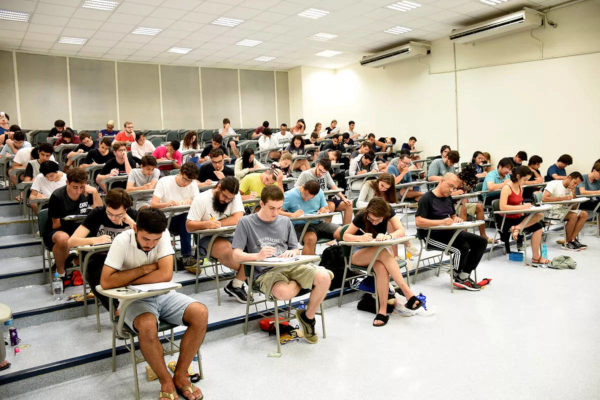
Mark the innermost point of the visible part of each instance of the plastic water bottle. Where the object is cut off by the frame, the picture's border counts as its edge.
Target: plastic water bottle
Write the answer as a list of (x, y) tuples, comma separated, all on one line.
[(57, 287), (544, 251)]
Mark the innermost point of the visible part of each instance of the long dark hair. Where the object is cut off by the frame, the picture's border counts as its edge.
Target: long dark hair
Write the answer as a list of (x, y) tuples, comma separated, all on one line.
[(292, 146), (246, 163), (390, 194), (519, 172), (379, 208), (187, 140)]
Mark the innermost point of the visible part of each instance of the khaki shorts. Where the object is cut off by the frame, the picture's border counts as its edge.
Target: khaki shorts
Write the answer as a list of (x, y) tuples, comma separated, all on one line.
[(560, 211), (471, 209), (304, 274)]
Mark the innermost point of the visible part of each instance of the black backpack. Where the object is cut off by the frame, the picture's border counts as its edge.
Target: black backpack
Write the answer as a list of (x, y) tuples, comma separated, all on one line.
[(333, 259)]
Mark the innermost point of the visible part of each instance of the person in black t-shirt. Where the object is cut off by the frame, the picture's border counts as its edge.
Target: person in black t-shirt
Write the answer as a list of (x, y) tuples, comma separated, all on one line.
[(215, 169), (436, 209), (58, 129), (39, 154), (75, 198), (87, 144), (101, 155), (379, 222), (216, 143), (120, 165), (101, 226)]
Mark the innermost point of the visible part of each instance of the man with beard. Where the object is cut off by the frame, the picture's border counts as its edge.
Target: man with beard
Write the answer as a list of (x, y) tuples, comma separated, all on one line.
[(221, 206)]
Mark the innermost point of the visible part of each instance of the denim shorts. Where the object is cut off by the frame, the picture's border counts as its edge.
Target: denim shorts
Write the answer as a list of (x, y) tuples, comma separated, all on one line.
[(168, 307)]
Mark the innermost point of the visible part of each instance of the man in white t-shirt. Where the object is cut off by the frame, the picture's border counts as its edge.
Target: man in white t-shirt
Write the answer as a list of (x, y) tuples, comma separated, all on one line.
[(284, 134), (561, 190), (179, 190), (269, 141), (221, 206), (145, 255), (47, 181)]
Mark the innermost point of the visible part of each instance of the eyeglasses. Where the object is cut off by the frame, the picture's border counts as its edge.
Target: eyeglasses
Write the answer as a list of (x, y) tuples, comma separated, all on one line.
[(115, 216), (218, 161)]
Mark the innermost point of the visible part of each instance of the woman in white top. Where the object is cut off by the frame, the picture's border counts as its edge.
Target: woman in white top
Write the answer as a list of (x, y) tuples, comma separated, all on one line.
[(383, 186), (246, 164), (190, 142), (141, 146)]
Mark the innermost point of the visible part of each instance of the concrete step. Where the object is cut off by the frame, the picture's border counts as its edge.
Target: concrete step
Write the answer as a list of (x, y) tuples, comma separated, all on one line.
[(10, 208), (15, 225), (23, 246), (21, 271)]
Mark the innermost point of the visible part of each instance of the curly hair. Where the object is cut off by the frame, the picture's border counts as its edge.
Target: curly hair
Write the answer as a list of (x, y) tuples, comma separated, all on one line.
[(468, 176)]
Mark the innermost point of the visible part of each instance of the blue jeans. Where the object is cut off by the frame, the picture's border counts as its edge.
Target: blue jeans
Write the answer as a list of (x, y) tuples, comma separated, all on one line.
[(178, 225)]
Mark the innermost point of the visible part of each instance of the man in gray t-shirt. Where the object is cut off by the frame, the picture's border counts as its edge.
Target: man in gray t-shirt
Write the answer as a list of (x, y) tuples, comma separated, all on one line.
[(143, 178), (440, 167), (267, 234), (320, 173)]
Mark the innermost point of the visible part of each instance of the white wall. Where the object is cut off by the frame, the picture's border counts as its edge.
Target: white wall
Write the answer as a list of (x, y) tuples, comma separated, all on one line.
[(534, 91)]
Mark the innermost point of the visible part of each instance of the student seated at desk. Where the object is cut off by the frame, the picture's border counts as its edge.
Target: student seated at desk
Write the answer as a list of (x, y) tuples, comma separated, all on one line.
[(221, 206), (590, 186), (464, 208), (495, 180), (436, 209), (267, 234), (309, 199), (87, 144), (284, 134), (46, 182), (351, 132), (400, 169), (347, 140), (145, 255), (121, 164), (67, 137), (101, 226), (75, 198), (511, 198), (13, 145), (337, 202), (168, 152), (101, 155), (477, 161), (38, 155), (379, 222), (364, 148), (190, 142), (259, 130), (58, 128), (557, 171), (441, 166), (444, 150), (560, 190), (253, 184), (410, 146), (110, 131), (534, 164), (141, 146), (268, 141), (179, 190), (383, 187), (214, 170), (488, 160), (335, 144), (227, 133), (246, 164), (332, 128), (519, 158), (143, 178), (127, 135), (296, 148), (362, 164), (216, 143)]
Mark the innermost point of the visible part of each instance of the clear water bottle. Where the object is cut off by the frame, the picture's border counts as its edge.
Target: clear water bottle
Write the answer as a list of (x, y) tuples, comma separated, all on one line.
[(544, 251), (57, 287)]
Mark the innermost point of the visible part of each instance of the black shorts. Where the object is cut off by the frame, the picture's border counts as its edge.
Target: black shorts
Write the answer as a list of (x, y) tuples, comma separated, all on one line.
[(47, 238), (336, 200), (321, 229)]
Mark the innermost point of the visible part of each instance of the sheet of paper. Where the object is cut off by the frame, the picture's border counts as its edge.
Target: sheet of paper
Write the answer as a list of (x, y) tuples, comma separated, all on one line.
[(151, 287), (282, 259)]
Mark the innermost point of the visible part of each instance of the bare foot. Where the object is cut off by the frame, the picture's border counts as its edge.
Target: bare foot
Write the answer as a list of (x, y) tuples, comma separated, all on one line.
[(184, 385)]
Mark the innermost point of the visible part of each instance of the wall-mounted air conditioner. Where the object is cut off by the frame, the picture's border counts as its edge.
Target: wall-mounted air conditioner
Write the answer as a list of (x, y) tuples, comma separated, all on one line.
[(525, 19), (411, 49)]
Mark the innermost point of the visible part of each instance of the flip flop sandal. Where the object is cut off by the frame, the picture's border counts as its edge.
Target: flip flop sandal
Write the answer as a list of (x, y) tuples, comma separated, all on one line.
[(165, 395), (538, 261), (190, 389), (5, 366), (382, 318)]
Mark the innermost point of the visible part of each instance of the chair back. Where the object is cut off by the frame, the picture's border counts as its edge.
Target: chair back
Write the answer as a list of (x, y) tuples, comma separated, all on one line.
[(43, 222), (345, 249), (537, 197)]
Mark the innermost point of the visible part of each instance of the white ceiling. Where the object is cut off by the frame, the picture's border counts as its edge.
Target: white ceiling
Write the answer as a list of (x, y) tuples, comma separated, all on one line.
[(359, 24)]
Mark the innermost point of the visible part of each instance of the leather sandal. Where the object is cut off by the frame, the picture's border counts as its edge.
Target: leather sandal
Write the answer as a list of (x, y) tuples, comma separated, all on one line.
[(190, 389), (166, 395)]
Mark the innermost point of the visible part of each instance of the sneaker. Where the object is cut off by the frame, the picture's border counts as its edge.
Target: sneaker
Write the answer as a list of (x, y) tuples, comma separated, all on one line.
[(570, 246), (579, 244), (238, 293), (189, 261), (467, 284), (308, 329)]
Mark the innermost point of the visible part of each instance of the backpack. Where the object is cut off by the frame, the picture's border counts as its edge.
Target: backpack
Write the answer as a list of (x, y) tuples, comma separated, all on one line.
[(333, 259)]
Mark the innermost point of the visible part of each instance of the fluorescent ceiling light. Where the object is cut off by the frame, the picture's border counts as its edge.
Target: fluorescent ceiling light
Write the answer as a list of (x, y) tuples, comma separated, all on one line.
[(404, 6), (103, 5), (322, 36), (14, 15), (71, 40), (313, 13), (249, 42), (328, 53), (146, 31), (179, 50), (230, 22), (264, 58), (397, 30), (493, 2)]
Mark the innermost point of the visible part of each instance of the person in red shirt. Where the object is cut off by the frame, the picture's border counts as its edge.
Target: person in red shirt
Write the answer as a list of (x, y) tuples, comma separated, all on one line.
[(127, 135), (168, 152)]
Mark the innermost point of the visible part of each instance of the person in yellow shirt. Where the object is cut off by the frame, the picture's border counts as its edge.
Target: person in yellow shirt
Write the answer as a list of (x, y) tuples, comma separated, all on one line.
[(251, 185)]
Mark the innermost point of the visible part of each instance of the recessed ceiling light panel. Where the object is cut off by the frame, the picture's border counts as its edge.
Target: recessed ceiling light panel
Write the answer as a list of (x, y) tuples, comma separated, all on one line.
[(146, 31), (14, 15), (249, 42), (264, 58), (404, 6), (229, 22), (179, 50), (313, 13), (322, 36), (397, 30), (103, 5), (328, 53), (493, 2), (71, 40)]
